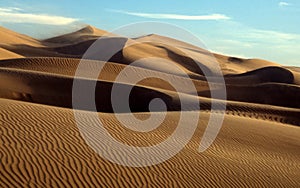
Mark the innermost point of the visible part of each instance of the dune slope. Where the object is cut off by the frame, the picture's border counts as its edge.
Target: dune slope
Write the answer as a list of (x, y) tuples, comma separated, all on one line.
[(52, 153)]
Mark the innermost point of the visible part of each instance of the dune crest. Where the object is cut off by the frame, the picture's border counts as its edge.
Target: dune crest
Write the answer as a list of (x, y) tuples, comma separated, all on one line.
[(86, 33), (9, 37)]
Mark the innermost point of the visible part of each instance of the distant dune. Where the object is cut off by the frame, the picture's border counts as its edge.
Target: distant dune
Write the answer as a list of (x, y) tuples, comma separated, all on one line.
[(84, 34), (258, 145)]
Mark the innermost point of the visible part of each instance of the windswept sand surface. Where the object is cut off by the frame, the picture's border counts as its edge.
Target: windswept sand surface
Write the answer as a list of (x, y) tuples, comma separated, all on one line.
[(42, 146)]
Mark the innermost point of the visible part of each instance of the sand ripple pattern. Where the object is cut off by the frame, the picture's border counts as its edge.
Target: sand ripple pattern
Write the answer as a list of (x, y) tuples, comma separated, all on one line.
[(42, 147)]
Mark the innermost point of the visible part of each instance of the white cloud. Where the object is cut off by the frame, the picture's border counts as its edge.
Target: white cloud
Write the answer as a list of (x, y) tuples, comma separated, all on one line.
[(283, 4), (271, 36), (13, 15), (175, 16), (236, 38), (9, 9)]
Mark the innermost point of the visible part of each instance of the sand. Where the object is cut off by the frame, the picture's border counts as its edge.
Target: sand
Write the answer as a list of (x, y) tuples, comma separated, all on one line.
[(5, 54), (42, 146)]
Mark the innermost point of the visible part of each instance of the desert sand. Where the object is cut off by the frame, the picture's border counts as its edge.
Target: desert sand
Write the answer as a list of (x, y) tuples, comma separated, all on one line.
[(42, 146)]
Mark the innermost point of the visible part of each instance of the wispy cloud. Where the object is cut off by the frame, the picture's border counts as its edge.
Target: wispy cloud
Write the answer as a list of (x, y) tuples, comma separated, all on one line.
[(17, 15), (9, 9), (272, 36), (236, 38), (283, 4), (175, 16)]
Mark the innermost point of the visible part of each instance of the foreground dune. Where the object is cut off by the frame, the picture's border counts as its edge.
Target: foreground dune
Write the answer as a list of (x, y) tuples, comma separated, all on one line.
[(43, 146)]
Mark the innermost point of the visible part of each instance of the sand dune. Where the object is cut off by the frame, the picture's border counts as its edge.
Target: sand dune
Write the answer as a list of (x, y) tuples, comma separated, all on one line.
[(55, 89), (249, 87), (52, 153), (42, 146), (5, 54), (84, 34), (15, 45), (262, 75), (296, 72), (9, 37)]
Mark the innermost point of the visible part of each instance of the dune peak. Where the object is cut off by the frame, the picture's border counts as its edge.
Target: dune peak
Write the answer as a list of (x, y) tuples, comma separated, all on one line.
[(87, 29), (91, 30)]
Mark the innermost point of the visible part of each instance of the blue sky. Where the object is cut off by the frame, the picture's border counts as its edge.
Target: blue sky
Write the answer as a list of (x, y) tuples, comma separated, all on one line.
[(256, 29)]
